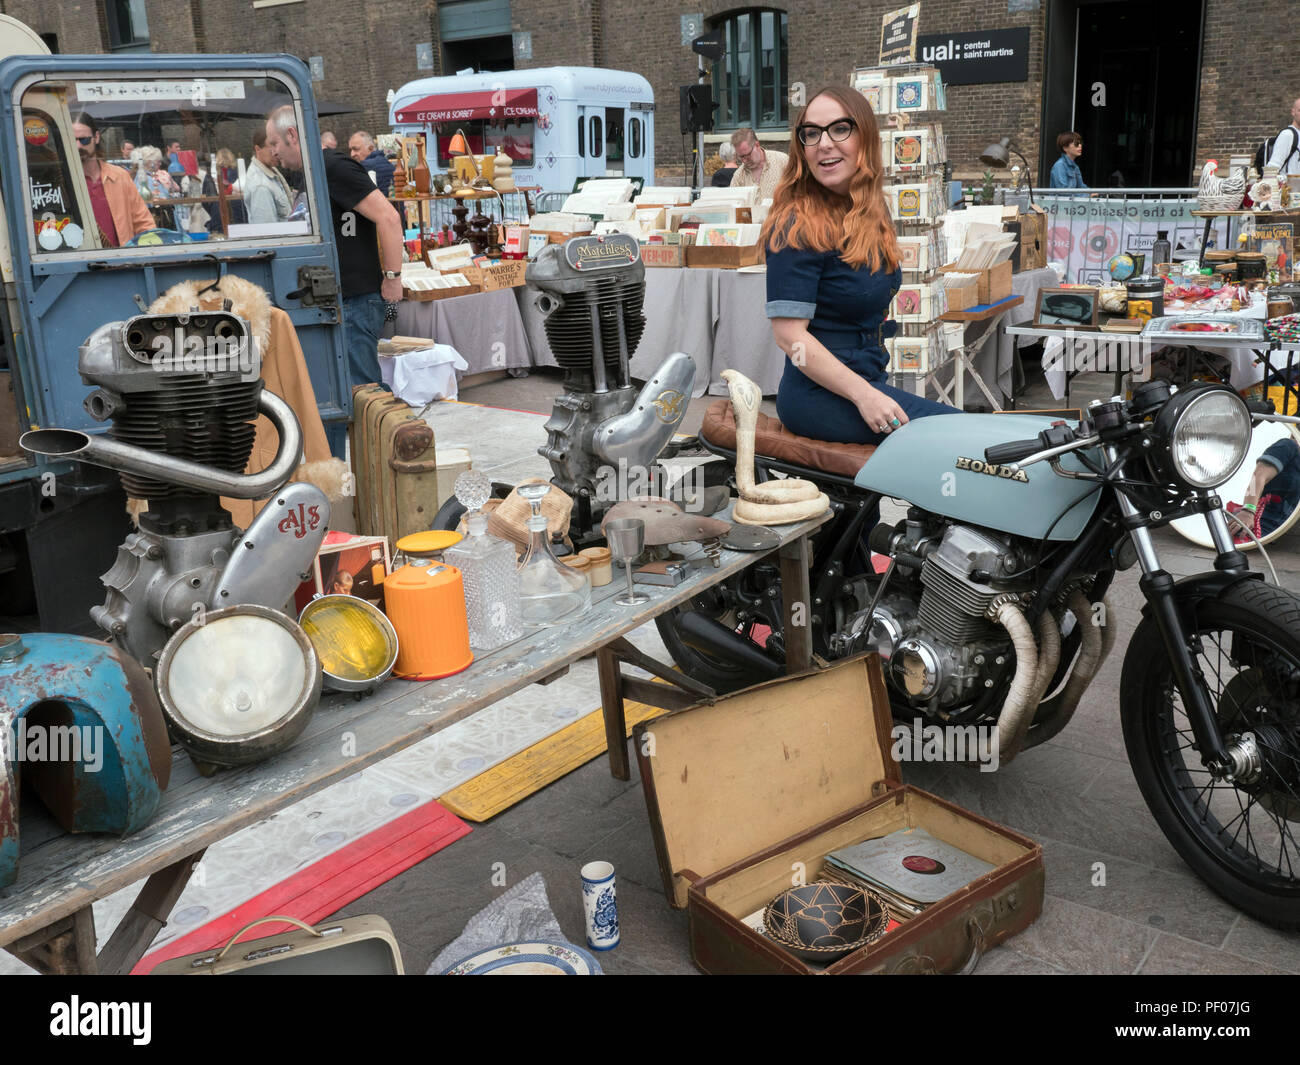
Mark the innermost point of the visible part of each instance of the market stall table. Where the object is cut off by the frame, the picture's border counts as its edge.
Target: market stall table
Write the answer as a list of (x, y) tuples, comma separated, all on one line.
[(46, 918), (985, 318), (485, 328)]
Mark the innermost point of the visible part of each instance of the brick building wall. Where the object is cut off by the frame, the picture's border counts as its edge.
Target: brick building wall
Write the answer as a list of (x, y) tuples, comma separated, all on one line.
[(369, 47)]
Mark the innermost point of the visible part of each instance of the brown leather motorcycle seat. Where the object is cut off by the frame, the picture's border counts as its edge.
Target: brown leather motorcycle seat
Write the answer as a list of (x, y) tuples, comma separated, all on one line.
[(775, 441)]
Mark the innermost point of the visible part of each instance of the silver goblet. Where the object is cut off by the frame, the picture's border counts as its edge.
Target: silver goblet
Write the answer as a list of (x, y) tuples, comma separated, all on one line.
[(626, 538)]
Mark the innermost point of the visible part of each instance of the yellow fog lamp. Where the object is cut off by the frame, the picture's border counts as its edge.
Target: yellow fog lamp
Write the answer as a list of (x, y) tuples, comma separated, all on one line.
[(356, 644), (238, 685)]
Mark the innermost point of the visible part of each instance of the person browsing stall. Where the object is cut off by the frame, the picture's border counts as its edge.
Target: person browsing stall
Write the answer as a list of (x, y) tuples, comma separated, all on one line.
[(267, 196), (723, 175), (119, 210), (832, 270), (1065, 171), (370, 272), (757, 165)]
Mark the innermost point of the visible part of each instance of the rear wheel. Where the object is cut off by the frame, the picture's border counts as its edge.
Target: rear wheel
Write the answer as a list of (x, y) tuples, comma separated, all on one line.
[(1242, 837)]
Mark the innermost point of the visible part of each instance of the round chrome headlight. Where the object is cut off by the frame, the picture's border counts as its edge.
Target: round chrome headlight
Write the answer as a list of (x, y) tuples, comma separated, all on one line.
[(1209, 438)]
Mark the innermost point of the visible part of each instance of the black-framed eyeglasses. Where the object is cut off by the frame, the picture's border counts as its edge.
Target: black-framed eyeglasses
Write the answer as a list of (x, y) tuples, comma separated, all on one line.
[(840, 130), (85, 141)]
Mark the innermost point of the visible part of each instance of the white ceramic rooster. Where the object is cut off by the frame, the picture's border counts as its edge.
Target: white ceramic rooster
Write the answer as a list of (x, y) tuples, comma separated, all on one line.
[(1219, 193)]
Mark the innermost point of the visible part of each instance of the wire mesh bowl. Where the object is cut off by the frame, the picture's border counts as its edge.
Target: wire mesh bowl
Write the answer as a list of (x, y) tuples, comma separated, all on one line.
[(823, 921)]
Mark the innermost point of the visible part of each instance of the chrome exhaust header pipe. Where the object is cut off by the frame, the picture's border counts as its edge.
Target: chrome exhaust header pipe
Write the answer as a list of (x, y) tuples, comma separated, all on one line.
[(125, 458)]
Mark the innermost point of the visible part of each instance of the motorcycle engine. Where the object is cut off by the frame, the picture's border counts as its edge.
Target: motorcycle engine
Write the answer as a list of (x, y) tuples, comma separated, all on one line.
[(930, 627), (602, 430)]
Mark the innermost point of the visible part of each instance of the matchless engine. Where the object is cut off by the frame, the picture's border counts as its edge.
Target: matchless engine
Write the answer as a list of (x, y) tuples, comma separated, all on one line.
[(591, 293)]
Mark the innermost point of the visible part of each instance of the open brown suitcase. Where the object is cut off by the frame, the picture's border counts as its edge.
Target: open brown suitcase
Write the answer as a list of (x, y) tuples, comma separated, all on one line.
[(747, 792)]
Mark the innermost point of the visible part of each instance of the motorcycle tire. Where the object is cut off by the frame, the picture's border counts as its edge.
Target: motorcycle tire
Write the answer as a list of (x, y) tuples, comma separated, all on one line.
[(1242, 839)]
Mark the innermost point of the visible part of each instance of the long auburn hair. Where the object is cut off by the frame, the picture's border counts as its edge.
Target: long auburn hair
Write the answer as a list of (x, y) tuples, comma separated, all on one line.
[(806, 214)]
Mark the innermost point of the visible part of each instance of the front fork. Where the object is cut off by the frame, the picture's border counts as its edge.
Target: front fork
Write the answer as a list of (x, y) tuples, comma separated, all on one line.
[(1158, 587)]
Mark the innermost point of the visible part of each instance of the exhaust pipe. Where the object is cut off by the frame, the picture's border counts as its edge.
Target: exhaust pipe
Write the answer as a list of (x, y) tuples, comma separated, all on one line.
[(126, 458), (712, 637)]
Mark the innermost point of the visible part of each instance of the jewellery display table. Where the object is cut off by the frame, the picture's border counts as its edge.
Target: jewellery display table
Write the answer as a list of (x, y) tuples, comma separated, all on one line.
[(46, 918)]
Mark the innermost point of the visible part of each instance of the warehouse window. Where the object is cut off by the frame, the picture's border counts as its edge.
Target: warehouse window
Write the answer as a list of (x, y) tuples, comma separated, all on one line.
[(128, 26), (751, 81)]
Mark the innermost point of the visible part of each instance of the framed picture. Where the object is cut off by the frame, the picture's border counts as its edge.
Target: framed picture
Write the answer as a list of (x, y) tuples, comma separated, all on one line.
[(1066, 308), (911, 94)]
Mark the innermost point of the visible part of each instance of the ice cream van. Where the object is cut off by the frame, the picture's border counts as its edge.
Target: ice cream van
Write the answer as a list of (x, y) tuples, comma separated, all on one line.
[(558, 124)]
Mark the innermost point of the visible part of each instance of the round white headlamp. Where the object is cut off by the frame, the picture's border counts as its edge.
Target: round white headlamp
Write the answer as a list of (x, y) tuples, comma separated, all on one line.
[(1209, 438)]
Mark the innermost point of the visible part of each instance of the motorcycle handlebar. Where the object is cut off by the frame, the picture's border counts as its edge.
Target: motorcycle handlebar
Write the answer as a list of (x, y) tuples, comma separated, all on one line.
[(1012, 451)]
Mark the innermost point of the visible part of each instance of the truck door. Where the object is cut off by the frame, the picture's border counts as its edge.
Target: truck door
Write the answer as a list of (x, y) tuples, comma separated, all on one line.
[(74, 270), (591, 128)]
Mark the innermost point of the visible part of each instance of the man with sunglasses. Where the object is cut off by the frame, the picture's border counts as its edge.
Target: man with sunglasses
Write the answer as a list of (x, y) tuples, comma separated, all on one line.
[(758, 165), (119, 210)]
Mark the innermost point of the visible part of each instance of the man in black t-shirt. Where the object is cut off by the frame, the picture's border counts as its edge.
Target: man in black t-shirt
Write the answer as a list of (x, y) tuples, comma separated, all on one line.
[(368, 230)]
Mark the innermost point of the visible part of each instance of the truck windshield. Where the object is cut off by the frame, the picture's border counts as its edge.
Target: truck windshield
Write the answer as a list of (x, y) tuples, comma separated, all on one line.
[(114, 161)]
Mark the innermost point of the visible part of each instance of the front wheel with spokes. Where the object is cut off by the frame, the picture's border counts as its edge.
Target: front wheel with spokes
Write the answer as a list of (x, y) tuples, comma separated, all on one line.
[(1241, 836)]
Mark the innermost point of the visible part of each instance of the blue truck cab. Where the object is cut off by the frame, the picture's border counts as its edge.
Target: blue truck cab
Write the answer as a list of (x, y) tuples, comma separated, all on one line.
[(64, 274)]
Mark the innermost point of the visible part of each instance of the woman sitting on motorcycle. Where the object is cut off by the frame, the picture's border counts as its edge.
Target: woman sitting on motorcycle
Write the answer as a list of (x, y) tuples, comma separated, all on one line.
[(832, 270)]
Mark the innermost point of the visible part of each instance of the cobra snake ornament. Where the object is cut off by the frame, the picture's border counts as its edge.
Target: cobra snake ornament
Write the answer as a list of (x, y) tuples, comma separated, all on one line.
[(777, 502)]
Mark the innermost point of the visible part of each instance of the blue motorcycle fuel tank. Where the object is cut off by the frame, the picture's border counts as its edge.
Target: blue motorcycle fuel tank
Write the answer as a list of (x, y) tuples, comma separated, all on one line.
[(938, 464)]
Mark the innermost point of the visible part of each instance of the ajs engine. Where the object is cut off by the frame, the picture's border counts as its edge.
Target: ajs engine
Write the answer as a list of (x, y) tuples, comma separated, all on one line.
[(181, 393)]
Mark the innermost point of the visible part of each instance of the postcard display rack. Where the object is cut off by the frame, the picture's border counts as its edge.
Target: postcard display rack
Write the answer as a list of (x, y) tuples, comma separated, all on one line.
[(908, 98)]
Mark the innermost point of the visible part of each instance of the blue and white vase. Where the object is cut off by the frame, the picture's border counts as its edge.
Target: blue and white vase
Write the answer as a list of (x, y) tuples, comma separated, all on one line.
[(600, 904)]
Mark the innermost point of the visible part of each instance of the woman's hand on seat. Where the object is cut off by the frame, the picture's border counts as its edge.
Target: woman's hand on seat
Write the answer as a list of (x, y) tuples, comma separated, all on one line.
[(879, 411)]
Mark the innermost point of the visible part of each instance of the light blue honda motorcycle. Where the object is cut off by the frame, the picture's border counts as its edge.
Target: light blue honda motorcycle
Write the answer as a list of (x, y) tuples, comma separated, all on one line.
[(993, 609)]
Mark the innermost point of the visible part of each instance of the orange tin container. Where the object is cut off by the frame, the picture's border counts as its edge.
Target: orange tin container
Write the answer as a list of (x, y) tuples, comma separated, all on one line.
[(426, 605)]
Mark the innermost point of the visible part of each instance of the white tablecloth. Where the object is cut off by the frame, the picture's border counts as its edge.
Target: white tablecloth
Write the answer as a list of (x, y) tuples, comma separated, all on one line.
[(485, 328)]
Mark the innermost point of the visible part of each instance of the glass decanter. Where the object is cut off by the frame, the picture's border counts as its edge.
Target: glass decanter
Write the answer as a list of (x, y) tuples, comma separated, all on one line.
[(548, 591), (488, 569)]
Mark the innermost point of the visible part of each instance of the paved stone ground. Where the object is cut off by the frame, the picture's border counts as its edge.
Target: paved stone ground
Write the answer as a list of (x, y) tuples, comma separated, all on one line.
[(1075, 795)]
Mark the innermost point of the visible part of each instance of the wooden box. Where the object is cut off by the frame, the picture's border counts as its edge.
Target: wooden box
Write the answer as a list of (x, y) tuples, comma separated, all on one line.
[(724, 257), (509, 273), (1033, 239), (426, 295), (748, 793), (994, 283), (669, 255)]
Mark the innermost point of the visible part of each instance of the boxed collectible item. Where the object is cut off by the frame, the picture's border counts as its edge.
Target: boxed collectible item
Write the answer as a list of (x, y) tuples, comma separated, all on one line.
[(764, 785), (347, 565)]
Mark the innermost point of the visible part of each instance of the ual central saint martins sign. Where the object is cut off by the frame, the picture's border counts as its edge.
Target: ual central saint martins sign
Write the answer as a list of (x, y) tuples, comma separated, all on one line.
[(978, 58)]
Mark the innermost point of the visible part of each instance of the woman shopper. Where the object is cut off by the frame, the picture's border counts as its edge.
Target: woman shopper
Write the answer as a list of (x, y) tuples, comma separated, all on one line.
[(832, 270)]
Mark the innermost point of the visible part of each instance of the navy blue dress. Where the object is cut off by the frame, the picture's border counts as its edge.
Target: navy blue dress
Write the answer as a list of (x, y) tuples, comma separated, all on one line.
[(846, 308)]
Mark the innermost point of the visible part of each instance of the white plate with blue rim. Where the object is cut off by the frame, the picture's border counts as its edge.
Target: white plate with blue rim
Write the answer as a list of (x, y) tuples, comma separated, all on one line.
[(528, 958)]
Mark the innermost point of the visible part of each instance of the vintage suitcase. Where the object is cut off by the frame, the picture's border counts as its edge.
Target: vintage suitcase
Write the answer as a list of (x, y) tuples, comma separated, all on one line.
[(366, 400), (349, 946), (748, 795), (395, 462)]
